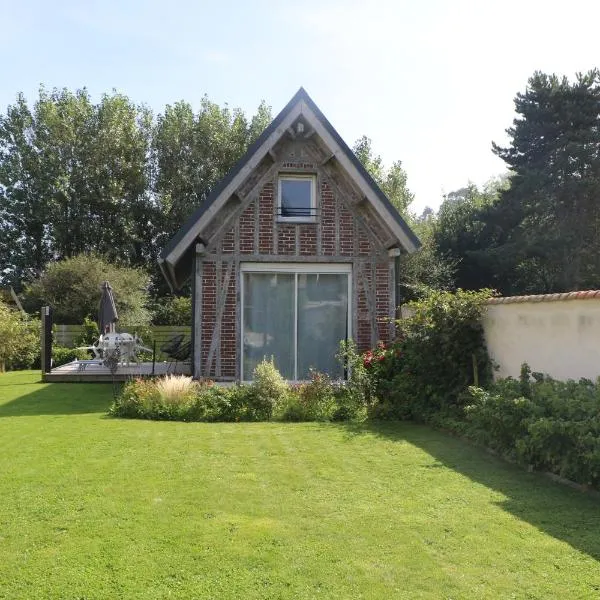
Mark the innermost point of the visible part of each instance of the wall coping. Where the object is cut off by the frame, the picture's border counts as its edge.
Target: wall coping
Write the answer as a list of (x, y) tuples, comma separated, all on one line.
[(583, 295)]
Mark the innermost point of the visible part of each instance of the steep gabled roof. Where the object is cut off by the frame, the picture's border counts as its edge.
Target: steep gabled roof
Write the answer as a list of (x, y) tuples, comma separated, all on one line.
[(300, 105)]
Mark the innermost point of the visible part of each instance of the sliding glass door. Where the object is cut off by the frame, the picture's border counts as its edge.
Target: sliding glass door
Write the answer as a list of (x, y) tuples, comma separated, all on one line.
[(296, 314)]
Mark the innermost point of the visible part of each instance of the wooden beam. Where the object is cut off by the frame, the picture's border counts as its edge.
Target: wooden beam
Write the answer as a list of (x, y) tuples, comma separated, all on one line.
[(243, 173), (327, 159), (197, 320), (233, 215), (340, 196), (216, 338)]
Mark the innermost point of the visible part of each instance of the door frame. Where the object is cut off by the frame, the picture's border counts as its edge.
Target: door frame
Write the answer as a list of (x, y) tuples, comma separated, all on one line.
[(297, 269)]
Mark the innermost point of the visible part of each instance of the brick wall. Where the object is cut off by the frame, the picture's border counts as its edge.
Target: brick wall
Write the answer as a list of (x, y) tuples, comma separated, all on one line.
[(335, 232)]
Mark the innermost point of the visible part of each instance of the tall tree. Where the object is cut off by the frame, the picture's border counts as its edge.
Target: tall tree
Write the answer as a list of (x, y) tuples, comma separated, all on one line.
[(78, 176), (467, 231), (555, 160), (392, 181), (194, 152), (73, 178)]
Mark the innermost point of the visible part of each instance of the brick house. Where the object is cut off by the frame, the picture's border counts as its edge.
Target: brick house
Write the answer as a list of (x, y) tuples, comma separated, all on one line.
[(295, 250)]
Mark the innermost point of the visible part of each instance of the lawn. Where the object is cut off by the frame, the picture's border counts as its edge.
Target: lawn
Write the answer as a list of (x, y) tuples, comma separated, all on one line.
[(94, 507)]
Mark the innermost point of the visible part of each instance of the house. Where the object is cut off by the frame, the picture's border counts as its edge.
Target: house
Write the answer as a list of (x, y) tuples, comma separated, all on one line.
[(295, 250)]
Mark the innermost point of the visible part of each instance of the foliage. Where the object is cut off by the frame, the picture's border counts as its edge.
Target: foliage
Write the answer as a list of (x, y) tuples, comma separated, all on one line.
[(535, 230), (552, 201), (427, 269), (173, 310), (19, 339), (466, 232), (74, 178), (359, 386), (73, 288), (89, 332), (429, 367), (173, 388), (195, 151), (107, 177), (62, 355), (269, 386), (312, 401), (169, 398), (555, 427), (392, 181), (180, 398)]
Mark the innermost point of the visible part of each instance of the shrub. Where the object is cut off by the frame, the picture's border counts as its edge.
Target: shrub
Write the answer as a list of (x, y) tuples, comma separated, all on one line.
[(432, 362), (89, 333), (72, 287), (19, 339), (268, 387), (181, 398), (62, 355), (360, 385), (174, 389), (170, 398), (312, 401), (556, 428), (173, 311)]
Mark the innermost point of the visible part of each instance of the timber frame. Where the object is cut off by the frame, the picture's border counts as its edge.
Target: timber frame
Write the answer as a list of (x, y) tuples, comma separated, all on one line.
[(355, 225)]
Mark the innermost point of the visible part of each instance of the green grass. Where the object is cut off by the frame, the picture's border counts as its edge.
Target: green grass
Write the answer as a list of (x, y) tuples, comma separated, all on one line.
[(94, 507)]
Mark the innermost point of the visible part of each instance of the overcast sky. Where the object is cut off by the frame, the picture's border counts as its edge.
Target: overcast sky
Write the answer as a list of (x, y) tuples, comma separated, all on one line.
[(430, 82)]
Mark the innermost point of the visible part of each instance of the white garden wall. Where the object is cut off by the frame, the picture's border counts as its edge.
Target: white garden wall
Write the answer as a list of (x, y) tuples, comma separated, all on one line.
[(557, 334)]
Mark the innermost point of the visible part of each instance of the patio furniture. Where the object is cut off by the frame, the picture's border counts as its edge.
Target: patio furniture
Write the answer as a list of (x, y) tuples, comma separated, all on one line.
[(172, 345), (182, 354), (124, 344), (177, 350)]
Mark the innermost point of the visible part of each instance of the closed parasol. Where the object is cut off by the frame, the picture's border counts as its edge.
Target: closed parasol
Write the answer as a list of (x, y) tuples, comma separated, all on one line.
[(107, 314)]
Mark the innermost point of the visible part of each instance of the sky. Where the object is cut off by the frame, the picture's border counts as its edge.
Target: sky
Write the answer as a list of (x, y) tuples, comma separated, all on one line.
[(431, 82)]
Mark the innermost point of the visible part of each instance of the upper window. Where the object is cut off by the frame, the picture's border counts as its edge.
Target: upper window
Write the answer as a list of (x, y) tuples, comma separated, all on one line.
[(296, 198)]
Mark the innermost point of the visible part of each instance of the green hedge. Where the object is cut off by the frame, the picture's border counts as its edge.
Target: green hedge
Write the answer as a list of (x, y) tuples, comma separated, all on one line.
[(542, 423)]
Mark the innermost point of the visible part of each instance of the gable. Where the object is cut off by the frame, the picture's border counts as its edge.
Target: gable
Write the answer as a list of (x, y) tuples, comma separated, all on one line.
[(299, 139), (343, 226)]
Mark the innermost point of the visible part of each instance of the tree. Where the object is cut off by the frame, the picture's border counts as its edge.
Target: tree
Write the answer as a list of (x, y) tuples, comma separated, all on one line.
[(78, 176), (467, 232), (552, 202), (74, 178), (392, 181), (19, 339), (193, 152), (73, 288)]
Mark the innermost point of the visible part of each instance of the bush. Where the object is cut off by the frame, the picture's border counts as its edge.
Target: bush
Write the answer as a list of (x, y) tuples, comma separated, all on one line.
[(72, 288), (173, 311), (19, 340), (555, 428), (426, 371), (312, 401), (360, 386), (62, 355), (268, 387), (170, 398), (89, 333), (180, 398)]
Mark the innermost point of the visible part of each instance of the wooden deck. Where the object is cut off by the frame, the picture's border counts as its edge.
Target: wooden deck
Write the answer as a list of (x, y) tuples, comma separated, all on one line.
[(93, 371)]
